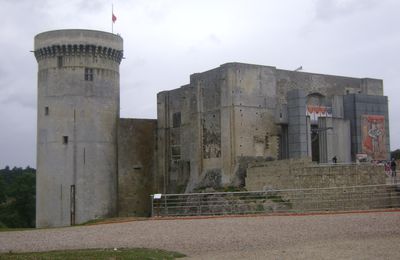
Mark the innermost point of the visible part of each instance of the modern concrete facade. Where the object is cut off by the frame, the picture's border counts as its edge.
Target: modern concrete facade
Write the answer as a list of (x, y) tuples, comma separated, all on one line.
[(78, 112), (210, 129)]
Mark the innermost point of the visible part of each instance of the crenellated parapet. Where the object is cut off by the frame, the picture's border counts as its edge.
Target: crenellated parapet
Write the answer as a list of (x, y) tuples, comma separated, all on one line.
[(79, 50)]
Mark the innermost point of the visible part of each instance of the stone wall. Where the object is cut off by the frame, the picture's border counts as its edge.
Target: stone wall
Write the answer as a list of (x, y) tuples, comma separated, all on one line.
[(238, 111), (136, 145), (302, 174), (326, 85), (78, 110)]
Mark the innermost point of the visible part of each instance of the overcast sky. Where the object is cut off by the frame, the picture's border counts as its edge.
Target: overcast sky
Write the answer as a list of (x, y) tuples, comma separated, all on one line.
[(166, 41)]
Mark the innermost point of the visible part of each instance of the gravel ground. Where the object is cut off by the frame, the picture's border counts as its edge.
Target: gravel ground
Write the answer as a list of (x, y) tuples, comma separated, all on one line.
[(339, 236)]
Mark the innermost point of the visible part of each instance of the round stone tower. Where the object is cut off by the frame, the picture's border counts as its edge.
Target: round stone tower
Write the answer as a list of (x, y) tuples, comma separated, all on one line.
[(78, 111)]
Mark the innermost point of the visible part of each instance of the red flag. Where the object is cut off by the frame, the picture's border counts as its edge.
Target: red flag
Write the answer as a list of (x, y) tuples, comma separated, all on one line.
[(114, 18)]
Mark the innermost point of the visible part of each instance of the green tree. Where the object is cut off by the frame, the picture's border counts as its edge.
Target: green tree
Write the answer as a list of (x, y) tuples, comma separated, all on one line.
[(17, 197), (2, 190), (23, 190)]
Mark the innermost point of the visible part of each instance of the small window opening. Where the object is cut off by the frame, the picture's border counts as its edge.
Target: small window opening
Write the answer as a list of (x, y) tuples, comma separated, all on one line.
[(46, 111), (88, 74), (59, 61), (176, 119), (65, 139)]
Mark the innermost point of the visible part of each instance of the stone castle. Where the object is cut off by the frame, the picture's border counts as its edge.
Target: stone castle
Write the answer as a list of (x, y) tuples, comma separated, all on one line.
[(93, 164)]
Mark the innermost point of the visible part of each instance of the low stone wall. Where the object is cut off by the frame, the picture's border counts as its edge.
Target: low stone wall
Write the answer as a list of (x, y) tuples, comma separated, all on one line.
[(302, 174)]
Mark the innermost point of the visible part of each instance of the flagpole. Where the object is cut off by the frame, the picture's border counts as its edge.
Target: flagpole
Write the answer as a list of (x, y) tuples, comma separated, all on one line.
[(112, 22)]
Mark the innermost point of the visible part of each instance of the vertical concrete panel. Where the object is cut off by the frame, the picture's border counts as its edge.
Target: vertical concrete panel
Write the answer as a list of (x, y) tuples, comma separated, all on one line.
[(334, 140), (357, 105), (297, 127)]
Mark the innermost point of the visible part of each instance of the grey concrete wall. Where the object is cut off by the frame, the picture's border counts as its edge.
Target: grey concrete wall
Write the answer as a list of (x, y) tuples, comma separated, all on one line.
[(83, 111), (297, 127), (136, 155), (335, 140), (356, 106), (337, 107)]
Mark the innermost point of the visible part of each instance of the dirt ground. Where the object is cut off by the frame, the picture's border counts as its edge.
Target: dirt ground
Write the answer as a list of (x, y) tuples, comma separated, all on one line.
[(373, 235)]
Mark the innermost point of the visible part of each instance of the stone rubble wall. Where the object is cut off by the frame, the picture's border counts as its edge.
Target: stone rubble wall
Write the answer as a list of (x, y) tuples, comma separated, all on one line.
[(302, 174)]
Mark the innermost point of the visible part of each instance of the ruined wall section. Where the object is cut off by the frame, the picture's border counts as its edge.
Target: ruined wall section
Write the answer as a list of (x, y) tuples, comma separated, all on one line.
[(208, 87), (250, 98), (177, 139), (136, 156)]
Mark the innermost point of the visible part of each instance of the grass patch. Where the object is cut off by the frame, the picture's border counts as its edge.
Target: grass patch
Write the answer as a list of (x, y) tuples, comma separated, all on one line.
[(111, 220), (6, 229), (120, 254)]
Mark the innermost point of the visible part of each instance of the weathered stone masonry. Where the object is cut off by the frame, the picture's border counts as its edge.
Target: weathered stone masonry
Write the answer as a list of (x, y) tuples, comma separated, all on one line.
[(78, 111), (209, 133), (237, 113)]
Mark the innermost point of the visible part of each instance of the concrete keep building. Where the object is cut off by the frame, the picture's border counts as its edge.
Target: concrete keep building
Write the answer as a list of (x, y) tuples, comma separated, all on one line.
[(93, 164), (210, 129)]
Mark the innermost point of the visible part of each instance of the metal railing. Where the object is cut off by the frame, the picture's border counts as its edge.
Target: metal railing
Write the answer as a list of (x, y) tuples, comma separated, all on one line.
[(277, 201)]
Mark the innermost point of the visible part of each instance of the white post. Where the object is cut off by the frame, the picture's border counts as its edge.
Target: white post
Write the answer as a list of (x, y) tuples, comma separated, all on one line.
[(112, 16)]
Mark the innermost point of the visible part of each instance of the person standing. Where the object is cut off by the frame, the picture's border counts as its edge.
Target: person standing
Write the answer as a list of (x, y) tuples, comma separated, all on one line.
[(393, 167)]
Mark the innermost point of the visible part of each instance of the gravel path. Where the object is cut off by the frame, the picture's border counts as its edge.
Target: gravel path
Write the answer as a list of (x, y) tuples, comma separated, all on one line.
[(340, 236)]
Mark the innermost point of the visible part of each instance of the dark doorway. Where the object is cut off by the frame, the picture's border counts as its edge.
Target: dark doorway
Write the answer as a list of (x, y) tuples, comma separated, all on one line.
[(314, 143)]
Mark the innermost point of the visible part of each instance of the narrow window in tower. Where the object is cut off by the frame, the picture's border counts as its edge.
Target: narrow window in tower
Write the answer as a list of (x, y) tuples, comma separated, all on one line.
[(46, 111), (59, 61), (65, 139), (88, 74)]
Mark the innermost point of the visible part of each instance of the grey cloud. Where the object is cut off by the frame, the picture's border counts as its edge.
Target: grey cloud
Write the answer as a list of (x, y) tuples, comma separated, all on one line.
[(157, 11), (92, 5), (214, 39), (327, 10), (24, 99)]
